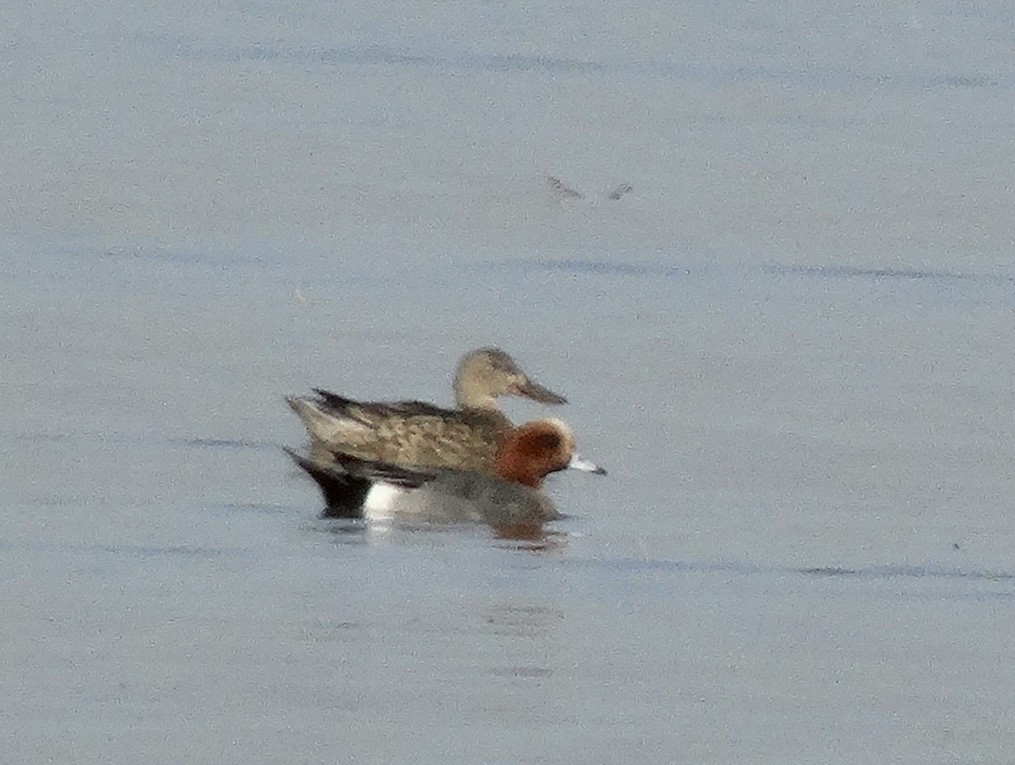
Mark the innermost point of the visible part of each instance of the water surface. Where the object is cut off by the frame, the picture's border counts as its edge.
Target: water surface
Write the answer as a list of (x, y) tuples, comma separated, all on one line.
[(789, 342)]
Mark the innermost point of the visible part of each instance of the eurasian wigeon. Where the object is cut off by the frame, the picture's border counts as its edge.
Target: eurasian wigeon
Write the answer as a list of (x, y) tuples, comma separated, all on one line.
[(509, 499), (420, 434)]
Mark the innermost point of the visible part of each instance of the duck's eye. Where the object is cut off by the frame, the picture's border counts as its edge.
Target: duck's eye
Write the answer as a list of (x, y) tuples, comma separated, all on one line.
[(549, 442)]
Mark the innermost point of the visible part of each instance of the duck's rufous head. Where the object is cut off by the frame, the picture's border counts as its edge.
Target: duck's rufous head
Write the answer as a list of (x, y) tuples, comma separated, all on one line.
[(538, 448)]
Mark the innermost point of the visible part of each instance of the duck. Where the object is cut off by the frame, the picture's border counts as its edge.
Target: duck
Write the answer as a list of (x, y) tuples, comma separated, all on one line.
[(511, 499), (419, 434)]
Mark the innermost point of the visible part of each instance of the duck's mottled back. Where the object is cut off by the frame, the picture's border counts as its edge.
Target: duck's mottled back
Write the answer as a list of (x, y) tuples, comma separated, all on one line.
[(422, 434)]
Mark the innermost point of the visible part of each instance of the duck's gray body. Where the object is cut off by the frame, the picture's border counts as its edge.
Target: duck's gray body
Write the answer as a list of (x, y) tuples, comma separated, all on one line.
[(443, 496)]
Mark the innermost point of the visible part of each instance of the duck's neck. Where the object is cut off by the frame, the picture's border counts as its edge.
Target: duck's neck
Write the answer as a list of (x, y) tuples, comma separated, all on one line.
[(472, 397)]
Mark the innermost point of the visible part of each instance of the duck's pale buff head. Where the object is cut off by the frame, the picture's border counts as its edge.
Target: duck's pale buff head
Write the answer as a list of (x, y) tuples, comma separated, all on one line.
[(486, 373), (538, 448)]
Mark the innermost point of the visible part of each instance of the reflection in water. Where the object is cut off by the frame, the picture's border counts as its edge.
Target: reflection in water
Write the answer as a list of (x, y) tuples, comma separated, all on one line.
[(854, 272), (225, 443), (346, 531), (359, 531), (597, 267), (541, 541), (921, 572), (873, 572), (522, 672), (552, 540), (332, 631), (522, 619), (524, 629), (380, 55), (262, 508)]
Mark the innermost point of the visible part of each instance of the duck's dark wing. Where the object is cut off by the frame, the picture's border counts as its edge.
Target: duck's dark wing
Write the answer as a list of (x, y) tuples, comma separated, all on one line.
[(380, 472), (345, 480), (372, 410)]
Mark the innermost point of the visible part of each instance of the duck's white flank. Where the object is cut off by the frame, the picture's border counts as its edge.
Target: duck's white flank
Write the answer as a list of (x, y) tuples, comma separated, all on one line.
[(379, 503)]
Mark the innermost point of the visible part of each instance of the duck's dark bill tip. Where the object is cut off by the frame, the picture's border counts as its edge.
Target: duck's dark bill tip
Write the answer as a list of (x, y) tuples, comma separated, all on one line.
[(537, 392)]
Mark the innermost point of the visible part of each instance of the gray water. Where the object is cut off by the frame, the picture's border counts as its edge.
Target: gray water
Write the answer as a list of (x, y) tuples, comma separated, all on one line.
[(789, 342)]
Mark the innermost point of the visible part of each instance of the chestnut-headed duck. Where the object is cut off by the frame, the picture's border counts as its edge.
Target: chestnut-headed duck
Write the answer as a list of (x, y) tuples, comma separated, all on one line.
[(510, 499), (420, 434)]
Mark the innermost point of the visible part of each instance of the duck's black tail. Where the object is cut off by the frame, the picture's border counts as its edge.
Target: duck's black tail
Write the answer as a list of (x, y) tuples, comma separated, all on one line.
[(343, 492)]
